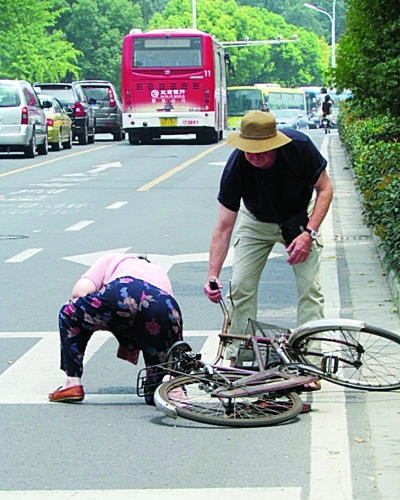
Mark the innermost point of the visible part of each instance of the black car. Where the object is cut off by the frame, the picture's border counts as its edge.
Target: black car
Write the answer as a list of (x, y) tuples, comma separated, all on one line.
[(107, 107), (77, 106)]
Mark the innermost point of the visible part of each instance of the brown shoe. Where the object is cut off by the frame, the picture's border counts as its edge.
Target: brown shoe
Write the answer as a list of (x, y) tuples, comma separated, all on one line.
[(72, 394)]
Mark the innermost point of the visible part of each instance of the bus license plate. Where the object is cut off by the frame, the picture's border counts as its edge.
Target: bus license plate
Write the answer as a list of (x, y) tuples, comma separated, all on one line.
[(168, 122)]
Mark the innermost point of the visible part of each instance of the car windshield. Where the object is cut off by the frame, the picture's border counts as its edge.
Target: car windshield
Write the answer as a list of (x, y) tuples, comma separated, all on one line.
[(98, 93), (286, 113), (9, 96)]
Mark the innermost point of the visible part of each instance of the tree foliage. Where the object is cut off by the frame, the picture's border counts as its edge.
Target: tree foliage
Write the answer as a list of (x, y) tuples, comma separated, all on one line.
[(97, 28), (31, 47), (368, 59), (300, 63), (296, 13)]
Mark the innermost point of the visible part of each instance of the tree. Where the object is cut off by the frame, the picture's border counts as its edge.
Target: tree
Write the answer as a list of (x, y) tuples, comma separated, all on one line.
[(30, 46), (295, 13), (300, 63), (97, 29), (368, 59)]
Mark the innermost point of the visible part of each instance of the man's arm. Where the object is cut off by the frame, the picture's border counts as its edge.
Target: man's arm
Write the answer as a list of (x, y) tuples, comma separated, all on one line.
[(324, 190), (219, 248), (300, 247)]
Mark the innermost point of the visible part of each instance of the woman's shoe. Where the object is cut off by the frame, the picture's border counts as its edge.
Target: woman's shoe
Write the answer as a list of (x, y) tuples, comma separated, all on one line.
[(73, 394)]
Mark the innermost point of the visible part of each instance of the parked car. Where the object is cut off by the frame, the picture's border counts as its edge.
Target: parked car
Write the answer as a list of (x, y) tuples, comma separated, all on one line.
[(107, 107), (290, 118), (59, 124), (23, 124), (75, 103)]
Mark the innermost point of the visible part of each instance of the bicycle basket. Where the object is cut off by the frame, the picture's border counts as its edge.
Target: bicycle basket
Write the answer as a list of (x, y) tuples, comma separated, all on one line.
[(269, 355), (150, 378)]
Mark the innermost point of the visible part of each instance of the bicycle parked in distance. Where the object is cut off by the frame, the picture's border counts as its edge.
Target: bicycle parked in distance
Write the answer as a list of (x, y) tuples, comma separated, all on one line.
[(347, 352)]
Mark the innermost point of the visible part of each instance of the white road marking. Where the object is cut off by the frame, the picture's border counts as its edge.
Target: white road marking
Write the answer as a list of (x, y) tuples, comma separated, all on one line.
[(330, 453), (280, 493), (38, 369), (87, 259), (165, 261), (116, 205), (80, 225), (100, 168), (26, 254)]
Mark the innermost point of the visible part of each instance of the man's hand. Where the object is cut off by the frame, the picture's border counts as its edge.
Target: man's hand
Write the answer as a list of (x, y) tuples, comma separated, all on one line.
[(212, 289), (299, 249)]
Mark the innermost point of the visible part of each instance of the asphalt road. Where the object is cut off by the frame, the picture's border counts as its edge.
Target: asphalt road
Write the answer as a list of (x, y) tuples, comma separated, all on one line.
[(58, 213)]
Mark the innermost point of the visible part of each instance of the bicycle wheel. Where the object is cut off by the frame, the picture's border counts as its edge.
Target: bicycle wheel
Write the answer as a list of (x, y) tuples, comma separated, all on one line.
[(350, 353), (193, 397)]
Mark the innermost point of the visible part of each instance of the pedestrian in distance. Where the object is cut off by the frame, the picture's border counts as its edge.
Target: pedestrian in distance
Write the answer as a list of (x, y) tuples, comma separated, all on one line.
[(129, 297), (278, 183)]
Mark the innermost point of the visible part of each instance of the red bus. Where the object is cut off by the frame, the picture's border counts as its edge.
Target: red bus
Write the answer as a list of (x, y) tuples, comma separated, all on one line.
[(173, 82)]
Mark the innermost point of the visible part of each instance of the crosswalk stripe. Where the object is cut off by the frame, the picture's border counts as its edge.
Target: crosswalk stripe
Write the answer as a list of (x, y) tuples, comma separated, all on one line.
[(38, 368), (280, 493)]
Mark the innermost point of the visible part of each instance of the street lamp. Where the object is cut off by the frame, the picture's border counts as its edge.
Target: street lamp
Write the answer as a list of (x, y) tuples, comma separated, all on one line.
[(333, 21), (194, 23)]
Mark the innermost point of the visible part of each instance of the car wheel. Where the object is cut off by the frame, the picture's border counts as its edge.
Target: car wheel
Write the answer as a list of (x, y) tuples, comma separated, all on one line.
[(56, 146), (118, 136), (83, 138), (43, 148), (92, 136), (134, 138), (30, 150), (68, 144)]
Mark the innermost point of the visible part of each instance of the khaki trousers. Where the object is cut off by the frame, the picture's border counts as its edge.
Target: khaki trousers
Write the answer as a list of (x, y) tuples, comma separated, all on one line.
[(253, 243)]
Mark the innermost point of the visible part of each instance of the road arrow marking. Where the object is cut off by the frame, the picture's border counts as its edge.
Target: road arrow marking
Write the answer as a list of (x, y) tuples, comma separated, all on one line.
[(100, 168), (165, 261)]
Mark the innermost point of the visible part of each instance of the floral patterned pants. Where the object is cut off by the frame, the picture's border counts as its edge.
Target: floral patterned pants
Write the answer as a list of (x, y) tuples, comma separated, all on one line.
[(140, 316)]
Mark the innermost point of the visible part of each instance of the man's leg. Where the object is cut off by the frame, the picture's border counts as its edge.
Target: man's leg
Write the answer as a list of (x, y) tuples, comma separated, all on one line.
[(310, 305), (253, 243)]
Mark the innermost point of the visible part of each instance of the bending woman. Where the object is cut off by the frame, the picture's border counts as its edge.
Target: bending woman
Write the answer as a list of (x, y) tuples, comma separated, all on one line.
[(128, 296)]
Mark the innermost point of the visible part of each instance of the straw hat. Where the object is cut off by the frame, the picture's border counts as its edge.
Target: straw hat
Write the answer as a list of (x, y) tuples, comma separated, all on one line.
[(257, 133)]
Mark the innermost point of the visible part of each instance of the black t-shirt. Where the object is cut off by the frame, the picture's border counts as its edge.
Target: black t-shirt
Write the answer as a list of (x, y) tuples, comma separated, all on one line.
[(288, 184), (326, 108)]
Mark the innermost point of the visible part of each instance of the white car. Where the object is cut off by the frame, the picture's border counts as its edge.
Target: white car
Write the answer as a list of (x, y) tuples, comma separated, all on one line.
[(23, 124), (290, 118)]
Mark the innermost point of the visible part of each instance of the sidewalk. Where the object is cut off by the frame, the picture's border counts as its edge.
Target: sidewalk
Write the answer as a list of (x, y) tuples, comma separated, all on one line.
[(356, 286)]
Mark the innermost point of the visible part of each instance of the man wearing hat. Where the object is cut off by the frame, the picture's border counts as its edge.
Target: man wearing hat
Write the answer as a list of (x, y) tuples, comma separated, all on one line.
[(270, 179)]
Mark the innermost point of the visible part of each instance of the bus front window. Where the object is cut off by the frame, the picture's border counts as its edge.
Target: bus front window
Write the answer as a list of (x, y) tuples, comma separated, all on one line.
[(241, 102)]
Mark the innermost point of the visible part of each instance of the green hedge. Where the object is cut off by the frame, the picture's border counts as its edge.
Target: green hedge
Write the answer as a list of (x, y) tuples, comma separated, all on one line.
[(374, 150)]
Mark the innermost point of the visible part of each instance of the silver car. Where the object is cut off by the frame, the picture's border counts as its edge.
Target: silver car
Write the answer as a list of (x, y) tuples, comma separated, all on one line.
[(23, 124), (290, 118)]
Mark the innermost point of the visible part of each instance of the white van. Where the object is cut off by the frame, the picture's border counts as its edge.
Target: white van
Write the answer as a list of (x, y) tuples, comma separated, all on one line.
[(23, 124)]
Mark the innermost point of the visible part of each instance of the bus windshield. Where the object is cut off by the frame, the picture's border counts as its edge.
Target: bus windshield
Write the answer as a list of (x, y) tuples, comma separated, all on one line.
[(171, 52), (241, 101), (286, 100)]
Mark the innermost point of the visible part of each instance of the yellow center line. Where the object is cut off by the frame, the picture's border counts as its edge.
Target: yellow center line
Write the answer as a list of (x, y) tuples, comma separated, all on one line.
[(28, 167), (177, 169)]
